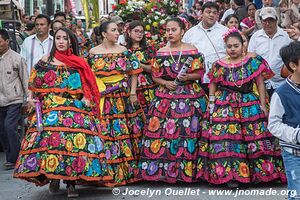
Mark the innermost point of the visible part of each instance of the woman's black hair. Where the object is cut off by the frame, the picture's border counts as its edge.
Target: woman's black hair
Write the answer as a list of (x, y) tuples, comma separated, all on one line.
[(231, 16), (251, 4), (97, 34), (179, 22), (73, 43), (143, 42), (51, 26), (236, 35), (103, 28), (290, 54)]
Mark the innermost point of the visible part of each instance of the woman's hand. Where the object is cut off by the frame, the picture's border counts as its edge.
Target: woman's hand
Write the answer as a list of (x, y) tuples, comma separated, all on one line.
[(183, 77), (264, 109), (170, 85), (133, 99), (31, 102)]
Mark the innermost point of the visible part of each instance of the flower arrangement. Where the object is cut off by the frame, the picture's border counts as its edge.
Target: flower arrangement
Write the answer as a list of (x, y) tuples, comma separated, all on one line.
[(153, 14)]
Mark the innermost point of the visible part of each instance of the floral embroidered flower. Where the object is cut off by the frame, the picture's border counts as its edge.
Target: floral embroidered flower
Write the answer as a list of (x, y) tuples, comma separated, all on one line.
[(54, 139), (155, 146), (152, 168), (195, 124), (116, 126), (51, 163), (170, 126), (79, 141), (115, 148), (186, 123), (252, 147), (244, 169), (52, 118), (91, 148), (44, 142), (217, 148), (188, 169), (100, 63), (220, 170), (78, 164), (69, 145), (182, 107), (191, 146), (232, 129), (59, 100), (142, 80), (268, 167), (74, 81), (135, 64), (120, 105), (68, 122), (172, 171), (153, 124), (98, 143), (78, 119), (38, 82), (173, 105), (196, 87), (122, 63), (96, 166), (50, 77), (144, 165), (78, 103), (31, 162), (196, 104), (127, 151), (174, 147), (69, 170), (139, 55), (107, 154), (166, 63)]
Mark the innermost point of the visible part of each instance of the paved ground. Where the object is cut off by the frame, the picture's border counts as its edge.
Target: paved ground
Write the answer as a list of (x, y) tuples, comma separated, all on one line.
[(11, 189)]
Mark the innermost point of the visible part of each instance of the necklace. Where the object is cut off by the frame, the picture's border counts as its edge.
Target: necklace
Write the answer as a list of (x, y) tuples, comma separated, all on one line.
[(176, 63), (231, 72)]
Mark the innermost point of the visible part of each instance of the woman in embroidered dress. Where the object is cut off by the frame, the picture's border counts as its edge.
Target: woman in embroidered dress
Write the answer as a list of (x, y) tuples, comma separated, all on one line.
[(241, 147), (121, 117), (68, 146), (172, 147), (136, 42)]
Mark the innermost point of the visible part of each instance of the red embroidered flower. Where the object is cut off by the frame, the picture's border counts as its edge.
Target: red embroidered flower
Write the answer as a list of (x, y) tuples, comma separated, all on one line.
[(38, 82), (78, 164), (50, 77), (54, 139)]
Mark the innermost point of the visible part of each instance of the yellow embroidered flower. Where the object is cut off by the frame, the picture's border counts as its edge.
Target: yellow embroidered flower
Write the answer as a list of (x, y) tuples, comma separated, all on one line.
[(232, 129), (59, 100), (196, 87), (196, 64), (188, 168), (32, 76), (127, 151), (139, 55), (47, 102), (69, 145), (120, 105), (155, 146), (244, 169), (51, 163), (79, 141), (100, 63)]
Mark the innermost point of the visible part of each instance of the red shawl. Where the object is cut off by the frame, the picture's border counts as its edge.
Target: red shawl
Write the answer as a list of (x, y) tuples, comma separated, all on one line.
[(89, 85)]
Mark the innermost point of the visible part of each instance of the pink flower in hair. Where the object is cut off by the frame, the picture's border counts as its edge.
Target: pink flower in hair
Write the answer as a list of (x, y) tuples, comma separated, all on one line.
[(229, 32)]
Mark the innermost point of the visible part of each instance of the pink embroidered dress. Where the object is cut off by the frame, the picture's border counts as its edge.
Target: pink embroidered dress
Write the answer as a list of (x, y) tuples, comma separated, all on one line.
[(172, 148), (240, 146)]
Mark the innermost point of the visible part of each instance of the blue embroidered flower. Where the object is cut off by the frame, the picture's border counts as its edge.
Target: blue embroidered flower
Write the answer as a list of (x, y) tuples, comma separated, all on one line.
[(98, 143), (78, 103), (96, 166), (191, 146), (135, 64), (64, 83), (89, 172), (253, 110), (92, 148), (52, 118), (174, 147), (74, 81), (117, 126)]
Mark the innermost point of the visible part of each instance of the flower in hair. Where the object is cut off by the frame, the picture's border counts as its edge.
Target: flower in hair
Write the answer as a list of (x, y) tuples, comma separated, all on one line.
[(229, 32)]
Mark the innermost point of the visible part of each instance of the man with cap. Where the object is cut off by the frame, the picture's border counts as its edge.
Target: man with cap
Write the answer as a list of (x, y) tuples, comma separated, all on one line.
[(266, 3), (267, 43)]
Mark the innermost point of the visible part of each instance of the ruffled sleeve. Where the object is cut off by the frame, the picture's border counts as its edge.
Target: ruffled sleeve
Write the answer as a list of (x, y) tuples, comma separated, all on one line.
[(135, 64), (263, 67), (216, 73), (156, 68), (197, 65)]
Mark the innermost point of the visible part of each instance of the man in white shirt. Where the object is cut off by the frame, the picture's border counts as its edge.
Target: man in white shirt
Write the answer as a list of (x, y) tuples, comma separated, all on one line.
[(267, 43), (266, 3), (207, 37), (36, 46)]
